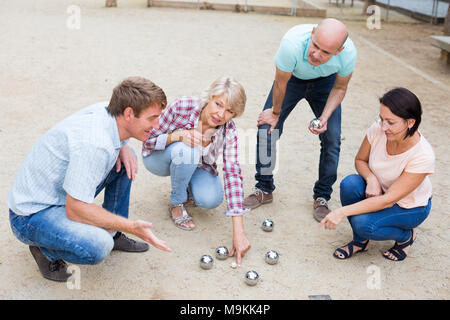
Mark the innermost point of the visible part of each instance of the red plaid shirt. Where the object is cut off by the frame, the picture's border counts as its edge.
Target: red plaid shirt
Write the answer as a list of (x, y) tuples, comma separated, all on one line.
[(183, 114)]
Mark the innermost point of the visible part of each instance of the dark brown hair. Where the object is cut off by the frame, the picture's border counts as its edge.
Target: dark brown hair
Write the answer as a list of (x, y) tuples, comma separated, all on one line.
[(404, 104)]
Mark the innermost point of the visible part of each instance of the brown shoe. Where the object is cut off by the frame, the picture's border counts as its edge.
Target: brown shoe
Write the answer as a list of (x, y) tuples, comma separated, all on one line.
[(320, 209), (56, 270), (257, 198)]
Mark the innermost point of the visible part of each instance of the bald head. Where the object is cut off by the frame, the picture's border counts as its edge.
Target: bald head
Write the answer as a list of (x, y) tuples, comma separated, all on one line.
[(333, 32), (327, 40)]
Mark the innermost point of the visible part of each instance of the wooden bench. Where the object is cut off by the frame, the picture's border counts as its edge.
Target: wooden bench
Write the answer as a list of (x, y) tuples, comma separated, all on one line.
[(442, 42)]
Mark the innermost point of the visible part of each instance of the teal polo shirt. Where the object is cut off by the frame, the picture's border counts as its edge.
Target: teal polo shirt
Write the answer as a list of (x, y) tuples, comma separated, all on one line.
[(292, 56)]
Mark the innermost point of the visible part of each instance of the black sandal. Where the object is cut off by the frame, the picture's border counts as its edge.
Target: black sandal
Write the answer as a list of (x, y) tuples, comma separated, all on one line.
[(350, 245), (397, 249)]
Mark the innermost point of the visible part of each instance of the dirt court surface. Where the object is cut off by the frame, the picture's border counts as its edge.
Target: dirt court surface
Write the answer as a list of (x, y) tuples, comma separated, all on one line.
[(50, 71)]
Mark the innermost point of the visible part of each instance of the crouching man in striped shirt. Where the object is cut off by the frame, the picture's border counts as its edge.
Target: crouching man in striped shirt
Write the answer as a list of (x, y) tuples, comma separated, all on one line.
[(51, 200)]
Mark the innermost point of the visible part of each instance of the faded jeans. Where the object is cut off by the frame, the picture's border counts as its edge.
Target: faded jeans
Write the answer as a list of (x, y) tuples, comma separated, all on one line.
[(60, 238), (180, 162)]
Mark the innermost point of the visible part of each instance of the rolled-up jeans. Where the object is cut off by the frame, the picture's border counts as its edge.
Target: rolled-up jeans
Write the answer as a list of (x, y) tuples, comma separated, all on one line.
[(180, 162), (394, 223), (60, 238)]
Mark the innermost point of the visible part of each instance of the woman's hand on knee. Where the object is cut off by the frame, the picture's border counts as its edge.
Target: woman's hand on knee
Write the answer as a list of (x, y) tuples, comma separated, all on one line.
[(191, 137), (373, 188)]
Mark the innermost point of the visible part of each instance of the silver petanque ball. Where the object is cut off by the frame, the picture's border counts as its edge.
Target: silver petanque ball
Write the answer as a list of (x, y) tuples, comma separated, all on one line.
[(267, 225), (315, 123), (206, 262), (222, 253), (251, 278), (271, 257)]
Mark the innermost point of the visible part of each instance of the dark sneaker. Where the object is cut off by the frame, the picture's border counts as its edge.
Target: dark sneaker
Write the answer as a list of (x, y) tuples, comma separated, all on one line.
[(123, 243), (56, 270), (257, 198), (320, 209)]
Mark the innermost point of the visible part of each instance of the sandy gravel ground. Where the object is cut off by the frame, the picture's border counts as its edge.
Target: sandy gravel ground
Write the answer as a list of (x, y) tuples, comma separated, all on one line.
[(49, 71)]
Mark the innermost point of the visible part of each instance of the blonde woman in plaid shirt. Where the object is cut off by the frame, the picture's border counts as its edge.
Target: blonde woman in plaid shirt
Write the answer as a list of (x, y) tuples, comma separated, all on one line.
[(193, 133)]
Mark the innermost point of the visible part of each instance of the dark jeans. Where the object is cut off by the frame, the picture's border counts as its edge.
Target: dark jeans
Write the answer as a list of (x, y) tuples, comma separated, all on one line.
[(316, 92), (394, 223), (61, 238)]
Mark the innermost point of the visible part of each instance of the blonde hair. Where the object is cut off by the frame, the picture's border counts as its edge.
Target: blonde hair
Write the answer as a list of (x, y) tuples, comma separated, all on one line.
[(233, 90)]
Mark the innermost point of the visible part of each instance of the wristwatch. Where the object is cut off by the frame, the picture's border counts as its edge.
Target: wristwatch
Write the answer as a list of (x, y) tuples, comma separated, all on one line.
[(275, 113)]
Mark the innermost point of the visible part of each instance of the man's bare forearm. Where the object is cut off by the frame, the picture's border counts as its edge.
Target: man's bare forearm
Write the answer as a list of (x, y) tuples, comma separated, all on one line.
[(95, 215), (278, 93), (334, 99), (336, 96)]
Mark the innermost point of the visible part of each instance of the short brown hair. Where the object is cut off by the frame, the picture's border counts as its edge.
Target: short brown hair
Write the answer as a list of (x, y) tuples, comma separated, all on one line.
[(137, 93)]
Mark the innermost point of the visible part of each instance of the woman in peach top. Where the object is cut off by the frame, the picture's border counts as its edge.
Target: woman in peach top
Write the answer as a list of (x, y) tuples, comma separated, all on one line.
[(391, 194)]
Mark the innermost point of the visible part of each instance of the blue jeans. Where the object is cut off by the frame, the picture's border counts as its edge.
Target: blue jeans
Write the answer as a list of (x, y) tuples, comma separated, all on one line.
[(394, 223), (180, 162), (60, 238), (316, 92)]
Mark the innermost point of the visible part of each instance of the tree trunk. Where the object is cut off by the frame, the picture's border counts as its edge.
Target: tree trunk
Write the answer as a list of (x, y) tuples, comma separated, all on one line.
[(111, 3), (367, 3), (447, 23)]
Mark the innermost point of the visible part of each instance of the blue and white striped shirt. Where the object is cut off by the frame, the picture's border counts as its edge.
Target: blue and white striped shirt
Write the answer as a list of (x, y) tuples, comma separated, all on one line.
[(73, 158)]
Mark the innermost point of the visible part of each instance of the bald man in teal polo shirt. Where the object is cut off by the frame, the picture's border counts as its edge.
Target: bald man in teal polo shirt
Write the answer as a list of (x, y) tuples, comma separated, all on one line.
[(314, 62)]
